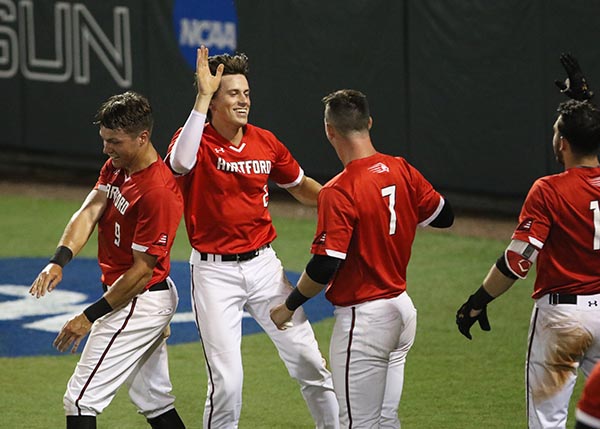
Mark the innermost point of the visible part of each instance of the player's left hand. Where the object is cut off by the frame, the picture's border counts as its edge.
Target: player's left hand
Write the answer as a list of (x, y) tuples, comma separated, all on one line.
[(575, 85), (72, 333), (281, 316), (466, 316)]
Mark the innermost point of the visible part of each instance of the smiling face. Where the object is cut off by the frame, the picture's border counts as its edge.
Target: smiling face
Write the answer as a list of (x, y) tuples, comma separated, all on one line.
[(123, 149), (230, 105)]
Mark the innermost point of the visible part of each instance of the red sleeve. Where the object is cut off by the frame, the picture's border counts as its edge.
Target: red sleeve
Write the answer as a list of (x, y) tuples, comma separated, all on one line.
[(535, 218), (105, 173), (286, 171), (158, 219), (336, 218), (428, 199)]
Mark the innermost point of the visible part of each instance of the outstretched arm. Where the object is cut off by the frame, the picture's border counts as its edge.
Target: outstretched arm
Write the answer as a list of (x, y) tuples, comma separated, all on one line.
[(121, 292), (76, 234), (307, 191), (185, 148)]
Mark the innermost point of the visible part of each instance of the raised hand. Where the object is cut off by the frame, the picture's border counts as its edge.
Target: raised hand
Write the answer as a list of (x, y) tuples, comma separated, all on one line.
[(575, 85), (206, 82)]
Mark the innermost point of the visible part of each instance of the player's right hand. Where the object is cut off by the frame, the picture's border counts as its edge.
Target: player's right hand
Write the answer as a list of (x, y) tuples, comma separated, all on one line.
[(281, 316), (466, 316), (46, 280), (575, 85)]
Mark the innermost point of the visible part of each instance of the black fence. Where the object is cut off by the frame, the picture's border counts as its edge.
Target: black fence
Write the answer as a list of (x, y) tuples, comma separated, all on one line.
[(463, 89)]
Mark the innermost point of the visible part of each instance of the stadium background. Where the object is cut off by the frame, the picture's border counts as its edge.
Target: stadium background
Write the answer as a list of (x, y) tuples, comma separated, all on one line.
[(463, 89)]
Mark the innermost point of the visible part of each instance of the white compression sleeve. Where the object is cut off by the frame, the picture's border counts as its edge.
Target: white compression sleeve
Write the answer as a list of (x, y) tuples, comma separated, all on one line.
[(185, 149)]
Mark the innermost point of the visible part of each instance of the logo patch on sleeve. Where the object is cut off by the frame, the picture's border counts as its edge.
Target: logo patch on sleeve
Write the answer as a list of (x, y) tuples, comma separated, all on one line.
[(525, 225), (518, 264), (163, 239), (320, 239)]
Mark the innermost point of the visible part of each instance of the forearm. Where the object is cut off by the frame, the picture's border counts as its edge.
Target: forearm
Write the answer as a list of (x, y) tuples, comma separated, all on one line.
[(496, 283), (307, 192), (308, 287), (185, 149), (82, 223), (128, 286), (202, 102)]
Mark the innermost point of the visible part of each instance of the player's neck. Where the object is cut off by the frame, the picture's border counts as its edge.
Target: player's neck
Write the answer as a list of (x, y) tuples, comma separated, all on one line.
[(353, 149), (583, 161), (146, 158), (231, 132)]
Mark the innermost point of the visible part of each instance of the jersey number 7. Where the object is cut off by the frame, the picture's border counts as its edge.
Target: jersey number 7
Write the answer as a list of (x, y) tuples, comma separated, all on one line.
[(390, 191)]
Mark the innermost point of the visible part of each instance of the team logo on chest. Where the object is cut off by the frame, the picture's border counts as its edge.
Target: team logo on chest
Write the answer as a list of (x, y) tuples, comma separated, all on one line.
[(119, 201), (251, 166)]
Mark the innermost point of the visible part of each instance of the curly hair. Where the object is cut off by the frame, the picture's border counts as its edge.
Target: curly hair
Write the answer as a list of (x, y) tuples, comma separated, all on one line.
[(580, 124)]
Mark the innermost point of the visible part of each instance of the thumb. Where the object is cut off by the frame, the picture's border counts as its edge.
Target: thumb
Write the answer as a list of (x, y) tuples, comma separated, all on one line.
[(484, 323), (561, 85)]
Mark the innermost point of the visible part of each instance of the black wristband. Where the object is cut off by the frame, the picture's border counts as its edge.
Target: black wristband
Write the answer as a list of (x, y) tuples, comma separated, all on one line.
[(62, 256), (97, 310), (480, 298), (295, 299)]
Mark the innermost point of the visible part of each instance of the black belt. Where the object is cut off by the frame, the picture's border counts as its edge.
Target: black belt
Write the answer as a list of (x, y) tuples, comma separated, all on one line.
[(155, 287), (239, 257), (562, 298)]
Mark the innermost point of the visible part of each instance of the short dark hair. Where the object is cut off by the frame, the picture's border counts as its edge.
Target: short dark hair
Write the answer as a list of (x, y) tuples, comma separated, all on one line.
[(129, 111), (347, 110), (580, 125)]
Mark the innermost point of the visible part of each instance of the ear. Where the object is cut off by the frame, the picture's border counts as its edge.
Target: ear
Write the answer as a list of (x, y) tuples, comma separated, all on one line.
[(370, 124), (330, 131), (144, 137)]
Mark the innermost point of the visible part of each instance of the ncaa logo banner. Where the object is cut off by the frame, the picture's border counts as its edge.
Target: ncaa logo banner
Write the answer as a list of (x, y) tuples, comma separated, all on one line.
[(212, 23), (29, 325)]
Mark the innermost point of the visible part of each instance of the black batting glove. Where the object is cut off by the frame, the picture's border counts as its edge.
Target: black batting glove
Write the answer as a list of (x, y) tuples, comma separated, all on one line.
[(574, 86), (465, 321)]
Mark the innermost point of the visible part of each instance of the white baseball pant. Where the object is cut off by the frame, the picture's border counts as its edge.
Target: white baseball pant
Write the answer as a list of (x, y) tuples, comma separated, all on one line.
[(127, 346), (221, 291), (562, 339), (368, 351)]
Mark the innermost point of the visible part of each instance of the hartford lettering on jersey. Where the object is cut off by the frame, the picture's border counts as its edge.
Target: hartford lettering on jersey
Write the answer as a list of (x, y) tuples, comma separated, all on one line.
[(252, 166), (114, 193)]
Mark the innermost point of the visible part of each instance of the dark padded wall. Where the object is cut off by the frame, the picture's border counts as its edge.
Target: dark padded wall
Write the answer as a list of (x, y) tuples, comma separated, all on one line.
[(463, 89)]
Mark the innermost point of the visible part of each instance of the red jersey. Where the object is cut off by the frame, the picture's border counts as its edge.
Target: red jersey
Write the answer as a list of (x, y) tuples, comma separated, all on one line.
[(226, 193), (368, 216), (561, 218), (143, 213)]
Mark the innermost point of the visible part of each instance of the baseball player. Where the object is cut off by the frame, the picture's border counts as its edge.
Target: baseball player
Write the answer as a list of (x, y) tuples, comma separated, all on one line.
[(559, 227), (137, 206), (224, 166), (368, 216), (588, 408)]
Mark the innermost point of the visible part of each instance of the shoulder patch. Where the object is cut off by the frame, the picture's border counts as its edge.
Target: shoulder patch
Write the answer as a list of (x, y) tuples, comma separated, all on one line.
[(525, 225), (163, 239), (320, 238)]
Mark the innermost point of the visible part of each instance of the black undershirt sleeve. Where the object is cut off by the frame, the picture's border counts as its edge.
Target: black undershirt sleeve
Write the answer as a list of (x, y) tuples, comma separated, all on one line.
[(321, 268), (445, 218)]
